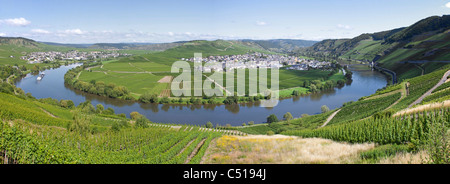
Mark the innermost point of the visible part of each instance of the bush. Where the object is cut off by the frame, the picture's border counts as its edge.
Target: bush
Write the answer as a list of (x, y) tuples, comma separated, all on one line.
[(148, 98), (209, 125), (272, 118), (324, 109), (270, 132), (142, 123), (288, 116), (135, 115)]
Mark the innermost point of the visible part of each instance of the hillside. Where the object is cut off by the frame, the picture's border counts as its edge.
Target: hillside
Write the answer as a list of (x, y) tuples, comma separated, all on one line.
[(135, 46), (12, 48), (282, 45), (426, 40)]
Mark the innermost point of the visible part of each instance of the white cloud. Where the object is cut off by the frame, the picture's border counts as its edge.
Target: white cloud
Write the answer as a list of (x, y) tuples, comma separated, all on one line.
[(74, 31), (40, 31), (170, 33), (447, 5), (261, 23), (16, 22), (2, 34), (341, 26)]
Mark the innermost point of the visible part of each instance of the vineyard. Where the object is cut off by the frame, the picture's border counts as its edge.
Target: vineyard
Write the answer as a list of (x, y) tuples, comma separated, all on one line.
[(24, 143), (418, 86), (364, 108), (386, 130)]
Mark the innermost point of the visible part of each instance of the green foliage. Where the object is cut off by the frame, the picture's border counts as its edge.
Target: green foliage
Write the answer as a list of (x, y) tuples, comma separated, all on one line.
[(148, 98), (97, 88), (287, 116), (142, 123), (272, 119), (209, 125), (438, 144), (80, 124), (324, 109), (135, 115)]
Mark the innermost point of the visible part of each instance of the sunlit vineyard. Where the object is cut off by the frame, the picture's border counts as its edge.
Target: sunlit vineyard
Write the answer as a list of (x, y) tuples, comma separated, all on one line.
[(26, 143), (418, 86), (385, 130), (364, 108)]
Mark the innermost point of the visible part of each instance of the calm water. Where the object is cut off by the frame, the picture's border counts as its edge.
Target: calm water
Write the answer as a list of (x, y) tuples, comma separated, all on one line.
[(365, 82)]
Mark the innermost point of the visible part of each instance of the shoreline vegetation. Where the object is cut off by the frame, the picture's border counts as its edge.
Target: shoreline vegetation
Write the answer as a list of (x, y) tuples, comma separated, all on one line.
[(335, 79)]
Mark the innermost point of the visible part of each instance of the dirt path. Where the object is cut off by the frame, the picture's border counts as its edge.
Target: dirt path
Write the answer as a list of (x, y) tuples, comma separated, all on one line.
[(330, 118), (50, 114), (385, 95), (442, 81), (78, 76)]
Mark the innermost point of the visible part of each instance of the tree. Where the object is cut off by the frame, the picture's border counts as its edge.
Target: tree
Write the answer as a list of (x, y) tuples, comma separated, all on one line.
[(148, 98), (209, 125), (288, 116), (100, 108), (81, 123), (324, 109), (272, 119), (142, 122), (135, 115)]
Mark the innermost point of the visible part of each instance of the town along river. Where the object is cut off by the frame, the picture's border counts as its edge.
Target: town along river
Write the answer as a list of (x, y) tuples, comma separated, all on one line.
[(365, 82)]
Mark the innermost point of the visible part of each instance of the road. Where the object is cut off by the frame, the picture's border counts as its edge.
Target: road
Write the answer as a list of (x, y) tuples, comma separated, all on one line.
[(442, 81)]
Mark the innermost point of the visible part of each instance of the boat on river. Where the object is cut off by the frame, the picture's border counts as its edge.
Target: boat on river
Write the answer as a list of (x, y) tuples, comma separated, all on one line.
[(41, 76)]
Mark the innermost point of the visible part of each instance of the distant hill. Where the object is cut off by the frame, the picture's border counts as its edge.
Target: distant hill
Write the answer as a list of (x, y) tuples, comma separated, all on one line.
[(427, 40), (282, 45), (68, 45), (18, 41), (136, 46), (207, 48)]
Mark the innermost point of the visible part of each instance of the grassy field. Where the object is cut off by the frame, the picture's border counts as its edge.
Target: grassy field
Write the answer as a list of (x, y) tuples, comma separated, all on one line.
[(138, 83), (281, 150)]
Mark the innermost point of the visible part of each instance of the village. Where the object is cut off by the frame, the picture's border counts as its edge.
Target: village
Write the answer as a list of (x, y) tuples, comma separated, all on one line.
[(52, 56), (256, 60)]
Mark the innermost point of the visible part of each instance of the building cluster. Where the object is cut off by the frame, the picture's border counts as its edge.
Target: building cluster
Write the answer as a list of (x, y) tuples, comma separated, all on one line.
[(43, 57), (254, 60)]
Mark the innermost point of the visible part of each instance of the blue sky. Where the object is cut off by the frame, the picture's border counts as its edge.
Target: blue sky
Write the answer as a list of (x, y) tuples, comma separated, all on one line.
[(96, 21)]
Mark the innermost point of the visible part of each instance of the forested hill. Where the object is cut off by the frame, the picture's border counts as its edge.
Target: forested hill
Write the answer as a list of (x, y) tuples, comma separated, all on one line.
[(426, 40)]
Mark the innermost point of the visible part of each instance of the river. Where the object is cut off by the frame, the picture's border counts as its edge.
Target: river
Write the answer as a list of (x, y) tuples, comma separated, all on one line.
[(365, 82)]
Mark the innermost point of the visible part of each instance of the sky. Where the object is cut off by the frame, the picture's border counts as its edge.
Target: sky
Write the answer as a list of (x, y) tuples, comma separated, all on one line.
[(161, 21)]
